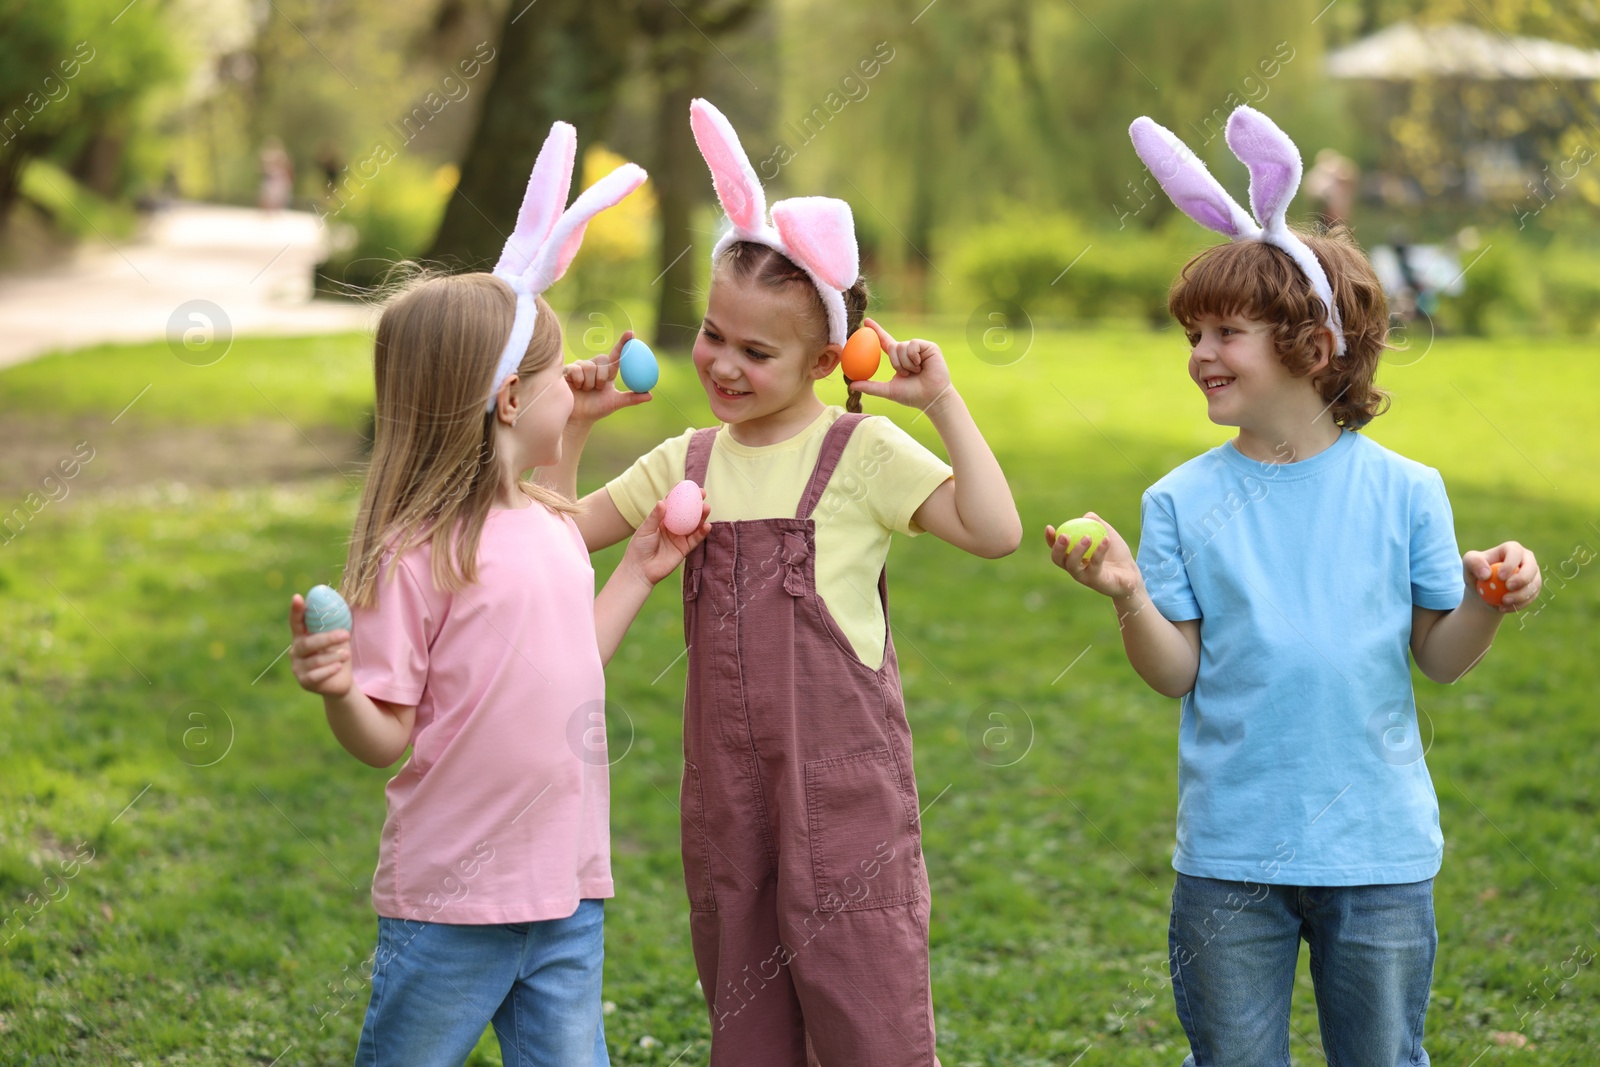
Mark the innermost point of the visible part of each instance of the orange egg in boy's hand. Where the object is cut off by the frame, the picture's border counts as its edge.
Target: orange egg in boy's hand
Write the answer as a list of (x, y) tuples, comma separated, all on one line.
[(1493, 588), (861, 355)]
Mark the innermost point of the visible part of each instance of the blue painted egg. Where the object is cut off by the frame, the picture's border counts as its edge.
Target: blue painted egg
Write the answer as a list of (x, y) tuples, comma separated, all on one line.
[(638, 366), (326, 610)]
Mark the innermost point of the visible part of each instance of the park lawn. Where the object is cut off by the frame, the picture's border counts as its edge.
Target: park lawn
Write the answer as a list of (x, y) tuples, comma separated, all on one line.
[(210, 847)]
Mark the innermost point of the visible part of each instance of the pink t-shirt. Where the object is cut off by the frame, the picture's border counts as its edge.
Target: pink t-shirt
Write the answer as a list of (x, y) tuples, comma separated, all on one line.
[(501, 815)]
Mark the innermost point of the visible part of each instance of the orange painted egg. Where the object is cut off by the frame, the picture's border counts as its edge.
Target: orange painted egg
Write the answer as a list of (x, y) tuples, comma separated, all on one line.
[(861, 355), (1493, 588)]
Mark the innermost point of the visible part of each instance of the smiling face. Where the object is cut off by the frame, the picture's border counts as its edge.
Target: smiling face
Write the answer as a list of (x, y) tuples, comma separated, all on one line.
[(1233, 360), (1260, 338), (758, 356)]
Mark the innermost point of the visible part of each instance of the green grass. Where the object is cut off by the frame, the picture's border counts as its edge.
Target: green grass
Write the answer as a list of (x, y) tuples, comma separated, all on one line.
[(225, 911), (311, 381)]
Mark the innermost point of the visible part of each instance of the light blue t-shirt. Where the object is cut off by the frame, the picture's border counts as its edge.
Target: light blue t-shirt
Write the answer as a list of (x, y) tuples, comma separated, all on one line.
[(1299, 761)]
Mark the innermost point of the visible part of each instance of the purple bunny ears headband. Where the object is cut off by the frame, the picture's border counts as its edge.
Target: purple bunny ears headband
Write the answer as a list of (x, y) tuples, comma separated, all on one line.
[(817, 233), (548, 234), (1275, 170)]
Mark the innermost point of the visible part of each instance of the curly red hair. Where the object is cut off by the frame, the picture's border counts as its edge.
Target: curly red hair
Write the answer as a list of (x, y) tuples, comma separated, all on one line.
[(1260, 281)]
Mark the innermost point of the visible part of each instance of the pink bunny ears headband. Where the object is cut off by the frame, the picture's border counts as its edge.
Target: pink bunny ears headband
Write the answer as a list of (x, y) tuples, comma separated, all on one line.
[(1275, 170), (817, 233), (548, 234)]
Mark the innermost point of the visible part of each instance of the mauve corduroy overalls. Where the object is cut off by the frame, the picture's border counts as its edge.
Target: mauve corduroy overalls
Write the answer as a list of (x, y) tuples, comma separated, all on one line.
[(802, 850)]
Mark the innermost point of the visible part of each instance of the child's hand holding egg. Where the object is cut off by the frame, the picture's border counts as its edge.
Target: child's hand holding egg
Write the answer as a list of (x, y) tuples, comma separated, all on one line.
[(1075, 530), (671, 531), (320, 649), (1105, 564), (921, 376), (594, 394), (1513, 580)]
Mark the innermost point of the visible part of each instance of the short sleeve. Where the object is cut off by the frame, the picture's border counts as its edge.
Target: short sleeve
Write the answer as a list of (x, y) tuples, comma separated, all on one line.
[(389, 642), (1161, 561), (639, 488), (1436, 578), (901, 472)]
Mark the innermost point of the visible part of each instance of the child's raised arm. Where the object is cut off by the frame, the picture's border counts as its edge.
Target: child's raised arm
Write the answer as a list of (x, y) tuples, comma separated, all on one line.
[(974, 509), (594, 396), (1165, 654), (1448, 644)]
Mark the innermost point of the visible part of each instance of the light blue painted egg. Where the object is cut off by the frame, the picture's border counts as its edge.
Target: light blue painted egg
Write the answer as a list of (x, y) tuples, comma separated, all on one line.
[(638, 366), (326, 610)]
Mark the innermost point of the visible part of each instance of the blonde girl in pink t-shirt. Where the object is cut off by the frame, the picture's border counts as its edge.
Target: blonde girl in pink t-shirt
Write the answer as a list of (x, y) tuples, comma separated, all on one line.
[(478, 642)]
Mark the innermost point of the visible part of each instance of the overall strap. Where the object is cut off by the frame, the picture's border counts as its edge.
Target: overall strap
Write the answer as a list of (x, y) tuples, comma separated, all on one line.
[(699, 457), (832, 449)]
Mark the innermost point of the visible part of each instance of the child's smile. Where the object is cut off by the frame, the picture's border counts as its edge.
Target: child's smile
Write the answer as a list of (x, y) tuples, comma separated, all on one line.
[(754, 364), (1233, 361), (730, 394)]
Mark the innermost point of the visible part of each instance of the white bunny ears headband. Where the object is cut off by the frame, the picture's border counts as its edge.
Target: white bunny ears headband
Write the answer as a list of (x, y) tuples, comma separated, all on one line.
[(548, 234), (817, 233), (1275, 170)]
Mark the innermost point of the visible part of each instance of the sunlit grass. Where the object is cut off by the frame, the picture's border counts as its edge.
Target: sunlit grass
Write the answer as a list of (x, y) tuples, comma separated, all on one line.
[(224, 915)]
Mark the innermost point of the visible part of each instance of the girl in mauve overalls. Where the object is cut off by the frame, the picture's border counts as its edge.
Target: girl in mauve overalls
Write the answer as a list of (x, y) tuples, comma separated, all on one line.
[(801, 842)]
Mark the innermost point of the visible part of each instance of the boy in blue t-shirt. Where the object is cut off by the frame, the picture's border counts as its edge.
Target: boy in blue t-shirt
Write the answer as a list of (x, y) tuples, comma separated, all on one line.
[(1290, 571)]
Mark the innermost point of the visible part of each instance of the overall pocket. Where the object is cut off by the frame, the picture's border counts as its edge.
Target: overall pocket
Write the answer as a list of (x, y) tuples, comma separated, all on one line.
[(696, 845), (863, 837)]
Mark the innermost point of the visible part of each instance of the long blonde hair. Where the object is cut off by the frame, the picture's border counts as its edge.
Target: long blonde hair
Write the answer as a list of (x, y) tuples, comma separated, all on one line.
[(434, 472)]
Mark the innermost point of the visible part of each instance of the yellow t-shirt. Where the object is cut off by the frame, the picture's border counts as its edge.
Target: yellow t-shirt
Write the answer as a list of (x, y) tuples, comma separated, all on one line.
[(883, 477)]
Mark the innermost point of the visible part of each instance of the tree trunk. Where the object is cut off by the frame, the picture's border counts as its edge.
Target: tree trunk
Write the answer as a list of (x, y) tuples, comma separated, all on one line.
[(557, 59), (98, 165), (11, 164), (681, 180)]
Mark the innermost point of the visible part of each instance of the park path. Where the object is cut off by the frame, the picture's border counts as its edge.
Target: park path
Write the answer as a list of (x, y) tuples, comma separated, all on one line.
[(255, 266)]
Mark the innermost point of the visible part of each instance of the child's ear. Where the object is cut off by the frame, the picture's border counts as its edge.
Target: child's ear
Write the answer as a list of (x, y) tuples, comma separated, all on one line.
[(506, 401), (826, 361), (1324, 352)]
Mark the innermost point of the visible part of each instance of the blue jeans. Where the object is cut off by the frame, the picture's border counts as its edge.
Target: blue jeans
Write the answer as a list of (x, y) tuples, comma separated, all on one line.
[(436, 985), (1234, 947)]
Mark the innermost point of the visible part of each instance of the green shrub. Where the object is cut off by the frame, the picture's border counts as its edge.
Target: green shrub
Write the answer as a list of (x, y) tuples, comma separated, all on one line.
[(1019, 259), (393, 218), (74, 210), (1571, 277), (1054, 266), (1501, 289)]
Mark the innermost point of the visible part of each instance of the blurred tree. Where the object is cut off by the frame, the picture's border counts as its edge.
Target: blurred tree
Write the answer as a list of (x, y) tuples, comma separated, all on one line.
[(558, 59), (577, 60), (962, 110), (1507, 142), (352, 74), (73, 75), (681, 36)]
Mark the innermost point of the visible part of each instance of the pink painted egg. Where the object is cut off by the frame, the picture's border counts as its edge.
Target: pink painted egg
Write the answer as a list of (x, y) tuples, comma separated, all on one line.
[(683, 509)]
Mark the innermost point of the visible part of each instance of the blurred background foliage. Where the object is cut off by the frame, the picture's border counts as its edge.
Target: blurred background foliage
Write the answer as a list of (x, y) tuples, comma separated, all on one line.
[(981, 144)]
